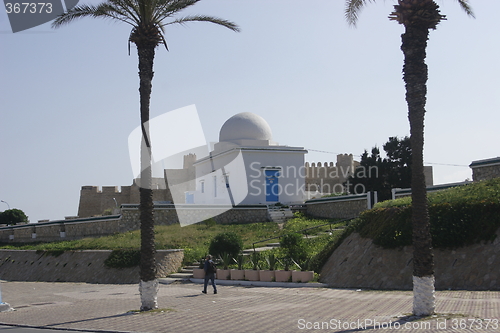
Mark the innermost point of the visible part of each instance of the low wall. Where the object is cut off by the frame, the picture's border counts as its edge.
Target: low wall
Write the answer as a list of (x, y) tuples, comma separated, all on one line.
[(357, 263), (168, 214), (78, 266), (338, 207), (71, 229), (406, 192), (62, 230)]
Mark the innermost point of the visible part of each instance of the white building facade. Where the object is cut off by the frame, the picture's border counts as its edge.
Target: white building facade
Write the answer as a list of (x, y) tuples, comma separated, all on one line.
[(246, 167)]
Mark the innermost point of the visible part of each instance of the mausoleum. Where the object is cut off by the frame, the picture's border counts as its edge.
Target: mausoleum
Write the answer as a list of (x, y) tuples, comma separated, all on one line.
[(247, 167)]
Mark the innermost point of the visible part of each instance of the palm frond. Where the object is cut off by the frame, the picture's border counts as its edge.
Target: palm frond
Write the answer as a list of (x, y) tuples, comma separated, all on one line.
[(353, 8), (103, 10), (466, 7), (202, 18)]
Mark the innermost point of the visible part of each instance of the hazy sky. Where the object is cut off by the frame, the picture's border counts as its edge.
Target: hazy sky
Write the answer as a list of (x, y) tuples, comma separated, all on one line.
[(69, 97)]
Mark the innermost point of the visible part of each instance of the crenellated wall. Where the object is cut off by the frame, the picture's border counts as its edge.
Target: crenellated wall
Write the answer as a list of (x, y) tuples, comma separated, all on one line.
[(327, 177)]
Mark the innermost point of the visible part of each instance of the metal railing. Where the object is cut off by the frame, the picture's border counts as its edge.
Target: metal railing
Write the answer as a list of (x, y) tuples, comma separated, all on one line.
[(302, 231)]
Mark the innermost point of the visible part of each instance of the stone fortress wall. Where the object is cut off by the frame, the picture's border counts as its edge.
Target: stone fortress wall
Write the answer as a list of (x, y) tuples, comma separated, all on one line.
[(327, 177)]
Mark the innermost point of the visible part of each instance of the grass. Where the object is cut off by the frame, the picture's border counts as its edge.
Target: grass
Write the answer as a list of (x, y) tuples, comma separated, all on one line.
[(194, 239), (487, 191)]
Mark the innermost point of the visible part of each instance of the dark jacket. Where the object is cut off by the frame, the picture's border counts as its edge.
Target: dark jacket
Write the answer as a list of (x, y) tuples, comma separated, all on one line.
[(206, 266)]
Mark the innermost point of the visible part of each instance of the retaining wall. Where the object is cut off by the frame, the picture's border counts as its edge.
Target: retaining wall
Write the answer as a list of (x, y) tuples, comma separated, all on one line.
[(358, 263), (78, 266)]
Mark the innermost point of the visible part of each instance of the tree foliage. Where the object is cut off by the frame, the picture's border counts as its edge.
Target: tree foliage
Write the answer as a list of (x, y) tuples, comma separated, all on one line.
[(379, 174), (226, 242), (13, 217)]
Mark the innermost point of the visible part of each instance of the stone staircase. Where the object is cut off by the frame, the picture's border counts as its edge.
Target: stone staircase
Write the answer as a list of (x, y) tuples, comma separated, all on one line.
[(185, 274), (279, 214)]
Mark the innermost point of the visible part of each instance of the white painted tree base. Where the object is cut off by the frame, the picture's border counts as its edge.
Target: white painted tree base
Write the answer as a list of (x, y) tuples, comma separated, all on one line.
[(423, 295), (5, 307), (149, 294)]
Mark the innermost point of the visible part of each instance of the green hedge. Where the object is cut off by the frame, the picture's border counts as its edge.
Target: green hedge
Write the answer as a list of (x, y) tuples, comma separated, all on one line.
[(452, 225), (459, 216), (123, 259)]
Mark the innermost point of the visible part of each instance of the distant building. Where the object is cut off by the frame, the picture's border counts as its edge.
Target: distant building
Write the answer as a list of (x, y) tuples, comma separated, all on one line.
[(485, 169), (247, 167)]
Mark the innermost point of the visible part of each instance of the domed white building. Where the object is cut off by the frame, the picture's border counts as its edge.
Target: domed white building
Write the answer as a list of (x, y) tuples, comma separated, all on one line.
[(246, 167)]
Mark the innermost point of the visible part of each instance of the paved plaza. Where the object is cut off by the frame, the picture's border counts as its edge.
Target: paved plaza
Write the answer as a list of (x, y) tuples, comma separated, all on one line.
[(110, 308)]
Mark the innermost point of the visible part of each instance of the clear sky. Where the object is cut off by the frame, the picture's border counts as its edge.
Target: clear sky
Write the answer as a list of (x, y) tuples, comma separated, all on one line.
[(69, 97)]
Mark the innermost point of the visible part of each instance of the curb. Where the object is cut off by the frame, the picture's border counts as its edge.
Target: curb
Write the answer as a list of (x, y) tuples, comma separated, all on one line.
[(264, 284)]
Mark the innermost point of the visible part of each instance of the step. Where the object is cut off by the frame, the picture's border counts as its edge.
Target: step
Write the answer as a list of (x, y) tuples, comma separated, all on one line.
[(273, 244), (184, 276)]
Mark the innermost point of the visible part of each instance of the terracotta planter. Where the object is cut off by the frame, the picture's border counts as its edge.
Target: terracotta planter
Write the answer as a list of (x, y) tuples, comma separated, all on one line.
[(282, 276), (266, 276), (237, 274), (251, 275), (222, 274), (302, 276), (198, 273)]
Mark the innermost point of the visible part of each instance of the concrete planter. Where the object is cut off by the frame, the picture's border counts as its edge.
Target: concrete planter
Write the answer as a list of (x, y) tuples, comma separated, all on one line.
[(266, 276), (251, 275), (223, 274), (283, 276), (302, 276), (237, 274), (198, 273)]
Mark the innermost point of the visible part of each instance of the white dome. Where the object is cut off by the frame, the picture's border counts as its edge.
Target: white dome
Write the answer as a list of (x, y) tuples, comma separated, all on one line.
[(245, 126)]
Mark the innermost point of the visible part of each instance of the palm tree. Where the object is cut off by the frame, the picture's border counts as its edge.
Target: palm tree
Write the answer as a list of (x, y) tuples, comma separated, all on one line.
[(148, 19), (418, 17)]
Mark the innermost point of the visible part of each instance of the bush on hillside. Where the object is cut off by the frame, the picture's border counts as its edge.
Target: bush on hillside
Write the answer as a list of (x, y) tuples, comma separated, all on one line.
[(226, 242), (459, 216), (293, 246)]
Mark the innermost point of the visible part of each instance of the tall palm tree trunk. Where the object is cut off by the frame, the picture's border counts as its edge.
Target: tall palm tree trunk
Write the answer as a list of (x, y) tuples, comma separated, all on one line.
[(414, 43), (148, 285)]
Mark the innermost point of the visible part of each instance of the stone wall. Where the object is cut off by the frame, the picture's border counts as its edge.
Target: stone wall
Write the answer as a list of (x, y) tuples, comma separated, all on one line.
[(62, 230), (78, 266), (485, 169), (129, 221), (168, 214), (338, 207), (357, 263)]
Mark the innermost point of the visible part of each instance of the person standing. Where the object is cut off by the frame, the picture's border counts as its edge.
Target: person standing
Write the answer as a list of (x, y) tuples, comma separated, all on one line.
[(209, 268)]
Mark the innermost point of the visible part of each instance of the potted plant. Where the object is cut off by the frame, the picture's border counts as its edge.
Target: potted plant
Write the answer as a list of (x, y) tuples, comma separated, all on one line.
[(284, 275), (199, 273), (238, 274), (268, 275), (253, 274), (223, 274), (304, 274)]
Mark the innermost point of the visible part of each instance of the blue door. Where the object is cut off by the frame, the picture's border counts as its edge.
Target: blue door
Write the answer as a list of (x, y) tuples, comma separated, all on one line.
[(272, 188)]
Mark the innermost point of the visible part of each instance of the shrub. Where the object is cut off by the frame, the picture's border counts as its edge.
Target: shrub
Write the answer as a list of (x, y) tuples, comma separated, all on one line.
[(123, 259), (293, 245), (226, 242)]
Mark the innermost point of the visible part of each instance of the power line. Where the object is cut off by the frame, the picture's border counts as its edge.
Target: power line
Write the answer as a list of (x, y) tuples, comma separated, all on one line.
[(446, 164)]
